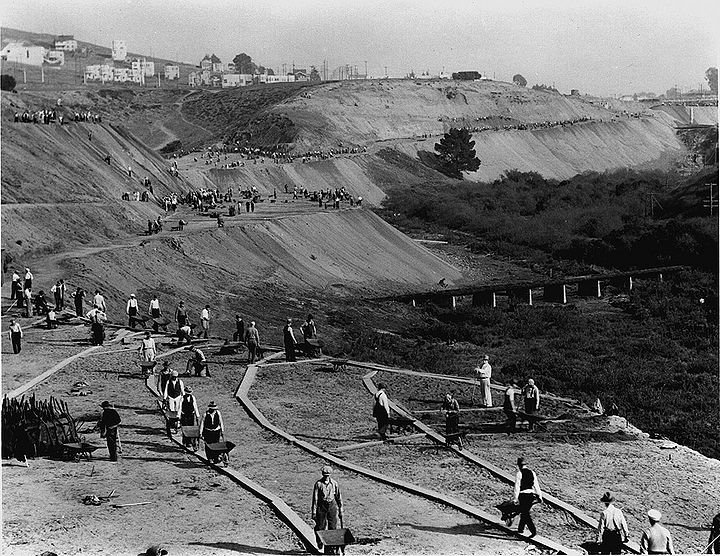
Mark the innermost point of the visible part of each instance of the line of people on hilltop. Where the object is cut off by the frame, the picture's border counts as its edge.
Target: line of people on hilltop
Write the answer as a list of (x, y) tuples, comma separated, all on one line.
[(48, 116)]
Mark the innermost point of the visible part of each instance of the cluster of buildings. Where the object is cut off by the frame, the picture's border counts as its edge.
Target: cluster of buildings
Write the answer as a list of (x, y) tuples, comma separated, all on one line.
[(120, 69), (35, 55), (213, 73)]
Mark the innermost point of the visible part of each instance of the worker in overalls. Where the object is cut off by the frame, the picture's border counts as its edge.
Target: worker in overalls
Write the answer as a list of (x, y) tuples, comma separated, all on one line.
[(327, 509)]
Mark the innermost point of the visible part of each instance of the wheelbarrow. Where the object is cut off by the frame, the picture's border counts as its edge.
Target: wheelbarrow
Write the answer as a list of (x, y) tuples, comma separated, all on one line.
[(509, 509), (191, 436), (147, 367), (76, 449), (334, 540), (223, 448), (400, 425), (160, 322)]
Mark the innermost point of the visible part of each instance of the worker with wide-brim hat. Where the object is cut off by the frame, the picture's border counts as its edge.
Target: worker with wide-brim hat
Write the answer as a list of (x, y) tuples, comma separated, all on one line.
[(108, 427), (212, 430), (612, 527)]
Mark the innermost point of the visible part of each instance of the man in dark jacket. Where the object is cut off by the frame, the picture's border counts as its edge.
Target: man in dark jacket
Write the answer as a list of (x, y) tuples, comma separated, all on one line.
[(108, 426)]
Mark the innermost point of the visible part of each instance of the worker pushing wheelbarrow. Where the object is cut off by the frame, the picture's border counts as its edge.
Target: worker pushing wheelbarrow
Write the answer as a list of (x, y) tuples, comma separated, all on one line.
[(212, 432), (190, 420)]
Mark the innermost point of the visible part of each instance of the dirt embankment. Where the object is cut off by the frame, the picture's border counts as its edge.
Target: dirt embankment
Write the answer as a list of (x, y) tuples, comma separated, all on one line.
[(411, 115), (563, 152), (325, 253), (58, 191)]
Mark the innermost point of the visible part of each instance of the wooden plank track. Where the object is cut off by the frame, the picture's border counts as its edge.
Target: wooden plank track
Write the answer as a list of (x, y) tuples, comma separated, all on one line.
[(449, 378), (259, 417), (287, 515), (497, 472)]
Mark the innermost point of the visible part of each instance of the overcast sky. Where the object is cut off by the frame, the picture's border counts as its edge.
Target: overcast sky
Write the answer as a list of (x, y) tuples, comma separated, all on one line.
[(601, 46)]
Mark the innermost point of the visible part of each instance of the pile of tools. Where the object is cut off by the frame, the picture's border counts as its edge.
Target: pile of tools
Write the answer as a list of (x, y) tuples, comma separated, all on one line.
[(32, 428)]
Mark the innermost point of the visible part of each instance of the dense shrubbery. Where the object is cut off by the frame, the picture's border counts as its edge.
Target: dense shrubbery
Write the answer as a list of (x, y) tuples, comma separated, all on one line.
[(601, 219), (7, 82), (655, 354), (171, 147)]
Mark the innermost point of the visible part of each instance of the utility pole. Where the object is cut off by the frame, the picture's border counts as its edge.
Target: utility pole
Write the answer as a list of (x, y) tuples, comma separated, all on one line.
[(366, 75), (711, 202)]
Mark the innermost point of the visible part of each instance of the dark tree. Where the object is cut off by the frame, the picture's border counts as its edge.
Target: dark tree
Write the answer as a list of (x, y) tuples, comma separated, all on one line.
[(244, 64), (519, 80), (314, 74), (455, 153), (7, 82), (711, 75)]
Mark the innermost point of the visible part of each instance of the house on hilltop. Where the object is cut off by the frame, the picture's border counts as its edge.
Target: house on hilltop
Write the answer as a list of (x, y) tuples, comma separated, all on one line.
[(66, 43), (23, 53), (211, 63), (55, 57), (119, 51), (172, 72)]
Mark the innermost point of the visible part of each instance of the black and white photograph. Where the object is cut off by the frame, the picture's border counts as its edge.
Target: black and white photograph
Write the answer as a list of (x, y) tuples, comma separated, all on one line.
[(385, 277)]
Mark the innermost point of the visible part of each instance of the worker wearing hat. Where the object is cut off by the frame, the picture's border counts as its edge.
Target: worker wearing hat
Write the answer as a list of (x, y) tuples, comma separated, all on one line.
[(531, 396), (612, 527), (173, 395), (132, 311), (656, 539), (484, 372), (527, 492), (164, 377), (327, 506), (108, 426), (212, 430), (189, 415), (289, 341)]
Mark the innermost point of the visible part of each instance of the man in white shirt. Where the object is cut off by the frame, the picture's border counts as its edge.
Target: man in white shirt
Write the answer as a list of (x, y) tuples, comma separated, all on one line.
[(484, 372), (527, 488), (28, 279), (16, 288), (155, 312), (612, 527), (132, 311), (99, 302), (205, 320)]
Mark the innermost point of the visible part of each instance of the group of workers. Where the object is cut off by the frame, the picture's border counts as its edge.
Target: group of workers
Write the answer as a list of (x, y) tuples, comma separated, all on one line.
[(327, 508)]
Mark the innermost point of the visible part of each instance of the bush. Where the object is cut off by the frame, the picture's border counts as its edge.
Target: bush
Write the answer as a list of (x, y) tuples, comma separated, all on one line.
[(7, 82)]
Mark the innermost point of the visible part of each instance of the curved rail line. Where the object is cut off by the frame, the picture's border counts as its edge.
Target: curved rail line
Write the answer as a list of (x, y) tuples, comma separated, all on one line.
[(61, 365), (497, 472), (285, 513), (241, 395)]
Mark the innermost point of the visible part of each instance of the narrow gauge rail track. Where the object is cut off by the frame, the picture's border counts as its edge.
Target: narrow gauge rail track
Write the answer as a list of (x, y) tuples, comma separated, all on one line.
[(241, 395), (501, 474)]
